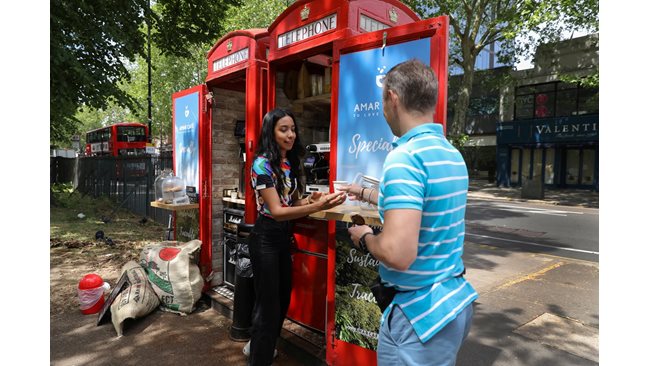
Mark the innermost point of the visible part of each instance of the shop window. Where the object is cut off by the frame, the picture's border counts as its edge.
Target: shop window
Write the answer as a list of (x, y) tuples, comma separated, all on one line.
[(572, 166), (514, 166), (537, 163), (545, 88), (524, 106), (588, 101), (566, 102), (588, 164), (556, 99), (544, 105), (525, 163), (549, 167)]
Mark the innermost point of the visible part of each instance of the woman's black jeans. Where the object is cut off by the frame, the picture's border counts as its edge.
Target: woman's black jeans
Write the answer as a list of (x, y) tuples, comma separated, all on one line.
[(269, 247)]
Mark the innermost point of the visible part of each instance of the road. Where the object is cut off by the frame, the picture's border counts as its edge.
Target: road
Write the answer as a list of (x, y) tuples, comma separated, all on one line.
[(564, 231)]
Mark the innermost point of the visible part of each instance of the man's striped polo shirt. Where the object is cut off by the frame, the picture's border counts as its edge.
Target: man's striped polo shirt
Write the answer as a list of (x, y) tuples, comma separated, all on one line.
[(425, 172)]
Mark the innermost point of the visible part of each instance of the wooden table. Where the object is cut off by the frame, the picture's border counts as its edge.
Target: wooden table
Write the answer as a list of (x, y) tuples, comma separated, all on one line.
[(345, 212), (179, 207)]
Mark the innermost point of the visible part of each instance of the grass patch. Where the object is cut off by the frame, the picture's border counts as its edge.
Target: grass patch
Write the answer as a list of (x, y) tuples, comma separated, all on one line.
[(74, 251)]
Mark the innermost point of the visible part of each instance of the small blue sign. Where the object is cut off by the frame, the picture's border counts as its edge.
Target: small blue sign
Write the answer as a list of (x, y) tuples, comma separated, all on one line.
[(364, 138), (186, 138)]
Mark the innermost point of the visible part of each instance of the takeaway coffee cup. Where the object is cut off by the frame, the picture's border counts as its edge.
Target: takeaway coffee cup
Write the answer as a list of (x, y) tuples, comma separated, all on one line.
[(337, 188), (338, 184)]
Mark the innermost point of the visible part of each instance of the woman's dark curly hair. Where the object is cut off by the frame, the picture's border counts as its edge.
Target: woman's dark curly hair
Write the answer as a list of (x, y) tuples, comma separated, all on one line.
[(269, 148)]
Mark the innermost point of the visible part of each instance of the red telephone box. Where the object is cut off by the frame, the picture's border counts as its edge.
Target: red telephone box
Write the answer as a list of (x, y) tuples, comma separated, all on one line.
[(307, 44), (302, 78), (237, 83)]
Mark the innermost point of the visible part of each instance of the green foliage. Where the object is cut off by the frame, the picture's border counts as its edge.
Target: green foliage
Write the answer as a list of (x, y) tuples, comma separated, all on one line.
[(61, 188), (183, 32), (458, 141), (253, 14), (184, 23), (169, 74), (65, 223), (590, 81), (91, 118), (91, 43)]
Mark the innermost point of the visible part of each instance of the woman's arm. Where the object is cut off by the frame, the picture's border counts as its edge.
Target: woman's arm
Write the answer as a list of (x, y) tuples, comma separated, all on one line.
[(280, 213), (356, 192)]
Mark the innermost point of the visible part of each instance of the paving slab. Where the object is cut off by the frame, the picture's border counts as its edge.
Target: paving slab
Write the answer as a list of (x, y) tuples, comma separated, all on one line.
[(564, 334)]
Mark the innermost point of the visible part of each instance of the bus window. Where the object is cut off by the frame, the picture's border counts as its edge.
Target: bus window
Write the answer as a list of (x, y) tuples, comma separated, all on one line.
[(131, 134)]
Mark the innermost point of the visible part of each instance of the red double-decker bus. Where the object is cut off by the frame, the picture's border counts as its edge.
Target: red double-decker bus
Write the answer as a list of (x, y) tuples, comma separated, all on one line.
[(126, 138)]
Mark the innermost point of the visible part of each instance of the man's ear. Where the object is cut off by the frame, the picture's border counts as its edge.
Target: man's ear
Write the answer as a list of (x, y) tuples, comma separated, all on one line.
[(393, 97)]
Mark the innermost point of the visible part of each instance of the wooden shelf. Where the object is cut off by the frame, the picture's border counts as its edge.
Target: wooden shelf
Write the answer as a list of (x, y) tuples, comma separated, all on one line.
[(234, 200), (321, 101), (166, 206), (345, 213)]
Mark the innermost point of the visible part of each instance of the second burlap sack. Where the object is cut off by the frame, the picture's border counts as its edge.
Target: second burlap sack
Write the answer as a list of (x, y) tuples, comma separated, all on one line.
[(174, 274), (136, 300)]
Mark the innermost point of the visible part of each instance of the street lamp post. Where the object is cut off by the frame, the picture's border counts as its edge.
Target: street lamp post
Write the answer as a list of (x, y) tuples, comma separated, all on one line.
[(149, 67)]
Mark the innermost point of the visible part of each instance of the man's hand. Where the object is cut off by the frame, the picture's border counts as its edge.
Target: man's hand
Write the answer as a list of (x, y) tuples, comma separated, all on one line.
[(353, 191), (356, 232)]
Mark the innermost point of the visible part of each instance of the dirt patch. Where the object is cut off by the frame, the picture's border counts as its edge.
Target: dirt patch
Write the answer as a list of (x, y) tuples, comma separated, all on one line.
[(160, 338), (75, 250)]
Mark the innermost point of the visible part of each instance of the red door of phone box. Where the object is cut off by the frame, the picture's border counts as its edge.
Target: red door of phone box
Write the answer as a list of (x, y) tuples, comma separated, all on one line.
[(192, 162), (302, 38)]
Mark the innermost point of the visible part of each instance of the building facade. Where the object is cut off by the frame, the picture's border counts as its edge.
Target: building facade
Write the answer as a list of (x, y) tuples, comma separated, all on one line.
[(550, 127)]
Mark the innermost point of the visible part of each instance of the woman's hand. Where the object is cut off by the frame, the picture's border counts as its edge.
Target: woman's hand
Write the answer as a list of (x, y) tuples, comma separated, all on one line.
[(353, 191), (315, 196), (327, 201)]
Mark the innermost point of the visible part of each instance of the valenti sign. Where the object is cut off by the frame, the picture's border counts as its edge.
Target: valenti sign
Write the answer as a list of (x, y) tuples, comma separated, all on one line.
[(364, 138)]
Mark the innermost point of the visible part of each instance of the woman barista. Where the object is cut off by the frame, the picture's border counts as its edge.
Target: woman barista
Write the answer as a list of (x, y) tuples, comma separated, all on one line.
[(275, 176)]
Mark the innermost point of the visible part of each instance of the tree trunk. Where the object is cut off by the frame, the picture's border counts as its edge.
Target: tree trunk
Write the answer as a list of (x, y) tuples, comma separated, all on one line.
[(462, 102)]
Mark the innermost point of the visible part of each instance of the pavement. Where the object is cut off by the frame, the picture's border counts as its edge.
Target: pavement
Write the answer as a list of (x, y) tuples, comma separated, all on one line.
[(533, 309), (552, 196)]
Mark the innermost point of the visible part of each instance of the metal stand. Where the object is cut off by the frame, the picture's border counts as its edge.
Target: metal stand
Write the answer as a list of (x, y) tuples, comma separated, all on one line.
[(244, 290)]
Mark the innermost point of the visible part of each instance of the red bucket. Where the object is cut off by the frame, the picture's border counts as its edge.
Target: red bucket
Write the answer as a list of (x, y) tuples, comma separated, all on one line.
[(91, 294)]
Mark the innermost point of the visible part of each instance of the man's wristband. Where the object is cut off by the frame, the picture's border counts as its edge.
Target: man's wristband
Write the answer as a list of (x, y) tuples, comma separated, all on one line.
[(361, 196), (362, 242)]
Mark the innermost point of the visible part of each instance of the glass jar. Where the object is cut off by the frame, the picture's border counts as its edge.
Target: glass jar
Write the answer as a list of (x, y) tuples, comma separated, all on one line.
[(370, 183), (158, 183), (173, 190)]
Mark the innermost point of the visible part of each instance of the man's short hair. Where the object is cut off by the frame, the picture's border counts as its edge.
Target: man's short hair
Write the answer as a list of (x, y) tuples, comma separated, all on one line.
[(416, 85)]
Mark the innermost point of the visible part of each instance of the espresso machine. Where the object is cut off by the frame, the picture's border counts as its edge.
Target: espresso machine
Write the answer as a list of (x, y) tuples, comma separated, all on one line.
[(317, 167)]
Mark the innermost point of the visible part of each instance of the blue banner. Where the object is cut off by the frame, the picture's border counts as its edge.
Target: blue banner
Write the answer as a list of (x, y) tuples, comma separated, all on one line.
[(364, 138), (186, 138)]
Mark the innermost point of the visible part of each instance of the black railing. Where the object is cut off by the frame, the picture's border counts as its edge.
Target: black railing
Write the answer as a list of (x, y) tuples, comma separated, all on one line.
[(126, 180)]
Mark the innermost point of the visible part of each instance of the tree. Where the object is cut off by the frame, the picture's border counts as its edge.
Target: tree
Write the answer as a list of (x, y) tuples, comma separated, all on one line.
[(91, 44), (254, 14), (478, 23), (169, 74), (183, 23)]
